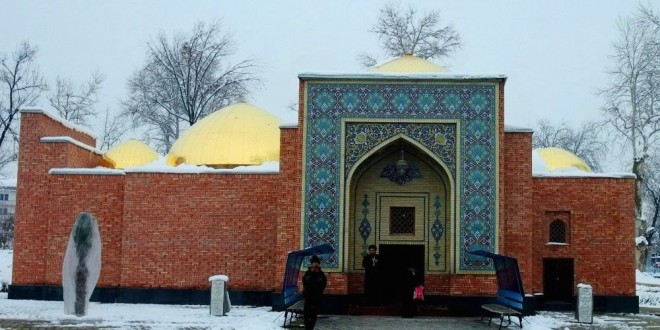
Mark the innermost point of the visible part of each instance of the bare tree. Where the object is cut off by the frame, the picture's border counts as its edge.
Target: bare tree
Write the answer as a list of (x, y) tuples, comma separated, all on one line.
[(585, 142), (186, 77), (411, 32), (632, 98), (114, 127), (21, 85), (76, 104)]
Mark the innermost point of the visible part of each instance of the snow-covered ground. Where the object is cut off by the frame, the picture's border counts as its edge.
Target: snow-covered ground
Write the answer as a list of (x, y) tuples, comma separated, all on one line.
[(5, 266), (648, 289), (150, 316)]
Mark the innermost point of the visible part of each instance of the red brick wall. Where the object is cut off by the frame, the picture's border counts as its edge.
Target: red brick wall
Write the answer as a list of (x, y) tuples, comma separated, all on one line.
[(516, 204), (179, 229), (158, 230), (602, 225), (33, 209), (103, 196)]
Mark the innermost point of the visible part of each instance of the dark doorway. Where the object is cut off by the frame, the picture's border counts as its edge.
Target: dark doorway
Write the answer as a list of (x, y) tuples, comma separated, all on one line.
[(558, 280), (395, 260)]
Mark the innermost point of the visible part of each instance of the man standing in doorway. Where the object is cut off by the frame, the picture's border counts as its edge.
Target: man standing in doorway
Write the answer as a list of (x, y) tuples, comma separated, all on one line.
[(371, 264)]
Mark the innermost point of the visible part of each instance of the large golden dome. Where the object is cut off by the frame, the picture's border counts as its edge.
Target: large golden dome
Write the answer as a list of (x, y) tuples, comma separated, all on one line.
[(409, 64), (129, 153), (239, 134), (561, 159)]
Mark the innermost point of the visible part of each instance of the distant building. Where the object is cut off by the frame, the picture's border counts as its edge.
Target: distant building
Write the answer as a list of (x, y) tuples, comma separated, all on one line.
[(7, 199), (7, 210), (412, 159)]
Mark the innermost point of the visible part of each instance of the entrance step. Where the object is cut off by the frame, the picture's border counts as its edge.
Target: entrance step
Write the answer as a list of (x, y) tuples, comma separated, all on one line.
[(395, 310)]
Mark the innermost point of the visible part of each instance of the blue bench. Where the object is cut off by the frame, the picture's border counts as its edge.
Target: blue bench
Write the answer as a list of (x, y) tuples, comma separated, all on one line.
[(294, 304), (510, 292), (509, 304)]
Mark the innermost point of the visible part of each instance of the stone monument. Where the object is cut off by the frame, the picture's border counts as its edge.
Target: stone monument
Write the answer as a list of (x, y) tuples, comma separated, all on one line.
[(82, 264), (585, 304), (220, 304)]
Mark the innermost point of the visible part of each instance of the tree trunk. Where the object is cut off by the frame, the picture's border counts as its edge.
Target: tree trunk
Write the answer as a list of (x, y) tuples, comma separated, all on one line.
[(640, 224)]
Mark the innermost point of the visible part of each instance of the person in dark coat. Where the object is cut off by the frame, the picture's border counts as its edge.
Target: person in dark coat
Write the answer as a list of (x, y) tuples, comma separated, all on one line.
[(314, 282), (371, 264), (410, 282)]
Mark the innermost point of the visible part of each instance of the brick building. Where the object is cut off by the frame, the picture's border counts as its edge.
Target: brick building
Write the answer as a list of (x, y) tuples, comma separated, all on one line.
[(420, 164)]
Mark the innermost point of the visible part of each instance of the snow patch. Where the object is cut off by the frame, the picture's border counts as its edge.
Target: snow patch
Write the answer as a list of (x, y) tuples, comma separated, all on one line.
[(6, 262), (639, 240), (57, 118), (582, 285), (58, 139)]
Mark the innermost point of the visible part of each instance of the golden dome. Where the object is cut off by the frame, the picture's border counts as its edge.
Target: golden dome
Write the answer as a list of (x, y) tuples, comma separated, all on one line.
[(130, 153), (239, 134), (409, 63), (557, 158)]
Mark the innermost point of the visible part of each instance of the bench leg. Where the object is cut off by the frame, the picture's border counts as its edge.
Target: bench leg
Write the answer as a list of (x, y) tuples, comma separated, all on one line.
[(501, 321), (490, 319), (520, 320)]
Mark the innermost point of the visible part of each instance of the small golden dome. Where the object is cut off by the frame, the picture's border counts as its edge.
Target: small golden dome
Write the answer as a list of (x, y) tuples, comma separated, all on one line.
[(239, 134), (557, 158), (130, 153), (409, 64)]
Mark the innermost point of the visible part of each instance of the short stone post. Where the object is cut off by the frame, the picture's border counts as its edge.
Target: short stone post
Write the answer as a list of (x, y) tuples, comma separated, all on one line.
[(220, 304), (585, 304)]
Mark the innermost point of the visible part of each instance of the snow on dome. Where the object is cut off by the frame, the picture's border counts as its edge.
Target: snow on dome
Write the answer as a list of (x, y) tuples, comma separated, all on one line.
[(130, 153), (546, 160), (408, 63), (239, 134)]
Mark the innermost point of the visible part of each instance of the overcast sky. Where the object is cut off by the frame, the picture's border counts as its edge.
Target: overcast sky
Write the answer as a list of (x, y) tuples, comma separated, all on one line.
[(555, 52)]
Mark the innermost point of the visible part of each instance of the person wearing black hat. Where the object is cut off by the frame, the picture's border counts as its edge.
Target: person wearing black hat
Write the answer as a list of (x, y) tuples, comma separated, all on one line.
[(314, 282), (371, 264)]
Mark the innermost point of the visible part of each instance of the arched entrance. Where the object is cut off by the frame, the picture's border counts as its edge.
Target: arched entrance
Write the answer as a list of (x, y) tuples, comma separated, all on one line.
[(400, 199)]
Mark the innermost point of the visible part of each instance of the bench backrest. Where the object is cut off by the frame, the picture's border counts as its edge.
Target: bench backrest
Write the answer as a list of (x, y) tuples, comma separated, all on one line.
[(291, 296), (510, 299)]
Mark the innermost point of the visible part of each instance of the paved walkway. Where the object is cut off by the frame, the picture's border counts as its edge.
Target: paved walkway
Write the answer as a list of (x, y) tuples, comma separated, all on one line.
[(345, 322)]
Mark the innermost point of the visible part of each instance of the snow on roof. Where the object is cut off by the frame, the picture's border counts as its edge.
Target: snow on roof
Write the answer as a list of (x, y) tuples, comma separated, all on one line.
[(401, 76), (541, 170), (289, 124), (160, 166), (517, 129), (55, 139), (9, 182), (60, 120), (86, 171)]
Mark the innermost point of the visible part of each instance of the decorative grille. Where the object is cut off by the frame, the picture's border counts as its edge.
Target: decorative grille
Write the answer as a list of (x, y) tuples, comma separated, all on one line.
[(402, 220), (557, 232)]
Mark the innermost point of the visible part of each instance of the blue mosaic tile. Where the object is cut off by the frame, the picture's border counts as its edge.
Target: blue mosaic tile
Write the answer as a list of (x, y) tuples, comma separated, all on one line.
[(407, 105)]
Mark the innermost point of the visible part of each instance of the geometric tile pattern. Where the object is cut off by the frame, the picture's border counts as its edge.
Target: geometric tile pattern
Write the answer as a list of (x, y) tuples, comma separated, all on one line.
[(401, 104), (365, 226), (437, 230)]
